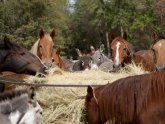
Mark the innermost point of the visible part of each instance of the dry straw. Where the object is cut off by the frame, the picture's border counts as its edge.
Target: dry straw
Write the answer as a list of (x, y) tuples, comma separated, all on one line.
[(63, 105)]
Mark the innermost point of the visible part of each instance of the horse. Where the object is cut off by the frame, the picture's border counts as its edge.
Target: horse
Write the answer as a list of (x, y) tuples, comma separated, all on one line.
[(122, 51), (17, 59), (43, 48), (10, 76), (132, 100), (58, 60), (159, 51), (146, 59), (100, 60), (20, 107)]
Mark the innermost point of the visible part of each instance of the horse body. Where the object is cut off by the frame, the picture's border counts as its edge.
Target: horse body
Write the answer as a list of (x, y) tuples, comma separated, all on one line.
[(132, 100), (20, 107), (58, 60), (17, 59), (145, 58), (43, 48)]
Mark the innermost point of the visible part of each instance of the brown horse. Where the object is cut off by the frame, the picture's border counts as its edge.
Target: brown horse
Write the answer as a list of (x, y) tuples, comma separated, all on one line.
[(159, 49), (146, 59), (43, 48), (131, 100), (13, 77), (122, 51), (58, 60), (17, 59)]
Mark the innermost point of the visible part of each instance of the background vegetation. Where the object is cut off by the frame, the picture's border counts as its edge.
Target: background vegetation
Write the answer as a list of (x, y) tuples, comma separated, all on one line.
[(82, 23)]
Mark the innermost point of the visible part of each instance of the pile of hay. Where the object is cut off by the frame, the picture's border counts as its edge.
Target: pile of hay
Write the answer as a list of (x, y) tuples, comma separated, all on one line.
[(63, 105)]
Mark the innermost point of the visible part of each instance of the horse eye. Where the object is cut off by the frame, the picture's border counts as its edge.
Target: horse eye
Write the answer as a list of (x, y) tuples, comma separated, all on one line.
[(22, 53), (82, 62), (40, 46), (125, 49)]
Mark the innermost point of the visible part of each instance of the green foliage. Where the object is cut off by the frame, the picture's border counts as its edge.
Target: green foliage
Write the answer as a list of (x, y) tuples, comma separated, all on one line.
[(21, 20), (85, 25)]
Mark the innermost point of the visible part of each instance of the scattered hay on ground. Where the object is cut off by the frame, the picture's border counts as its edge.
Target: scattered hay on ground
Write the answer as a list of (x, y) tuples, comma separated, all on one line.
[(62, 105)]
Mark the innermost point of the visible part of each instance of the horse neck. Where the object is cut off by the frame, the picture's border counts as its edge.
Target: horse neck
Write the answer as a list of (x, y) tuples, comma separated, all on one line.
[(34, 48)]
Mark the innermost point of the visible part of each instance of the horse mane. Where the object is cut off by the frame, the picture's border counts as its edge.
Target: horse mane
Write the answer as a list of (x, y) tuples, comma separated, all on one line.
[(12, 94), (11, 45), (122, 100), (34, 48)]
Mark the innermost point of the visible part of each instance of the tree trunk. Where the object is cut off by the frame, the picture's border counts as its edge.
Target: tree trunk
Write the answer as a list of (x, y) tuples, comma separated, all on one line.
[(108, 44)]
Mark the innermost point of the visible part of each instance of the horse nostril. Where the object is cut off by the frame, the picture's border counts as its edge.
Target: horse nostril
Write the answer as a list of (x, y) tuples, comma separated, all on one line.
[(52, 59), (115, 66), (40, 113)]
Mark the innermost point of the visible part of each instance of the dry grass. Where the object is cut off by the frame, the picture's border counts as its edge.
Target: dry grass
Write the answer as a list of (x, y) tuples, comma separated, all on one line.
[(61, 105)]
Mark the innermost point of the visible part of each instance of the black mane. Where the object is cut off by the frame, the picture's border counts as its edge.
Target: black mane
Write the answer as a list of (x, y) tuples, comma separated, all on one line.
[(12, 94)]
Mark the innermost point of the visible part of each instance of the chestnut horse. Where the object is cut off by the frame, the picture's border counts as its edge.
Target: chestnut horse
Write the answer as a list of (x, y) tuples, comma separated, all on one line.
[(122, 51), (159, 49), (136, 99), (57, 59), (146, 59), (43, 48)]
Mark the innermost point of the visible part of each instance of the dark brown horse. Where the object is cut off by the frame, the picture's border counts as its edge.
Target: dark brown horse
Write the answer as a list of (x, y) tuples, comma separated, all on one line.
[(132, 100), (16, 59), (43, 48)]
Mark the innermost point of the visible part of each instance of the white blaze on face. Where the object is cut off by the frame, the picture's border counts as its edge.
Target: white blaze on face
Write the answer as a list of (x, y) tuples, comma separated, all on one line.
[(117, 59), (160, 44)]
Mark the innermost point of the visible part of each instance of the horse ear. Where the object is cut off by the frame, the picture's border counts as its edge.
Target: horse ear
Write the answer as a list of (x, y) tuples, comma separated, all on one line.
[(154, 36), (7, 42), (89, 94), (32, 93), (79, 52), (41, 34), (58, 51), (112, 36), (125, 35), (102, 48), (52, 34)]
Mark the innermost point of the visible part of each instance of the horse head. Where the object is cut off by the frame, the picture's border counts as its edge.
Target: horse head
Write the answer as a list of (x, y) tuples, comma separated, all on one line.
[(43, 48), (121, 51), (19, 60)]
